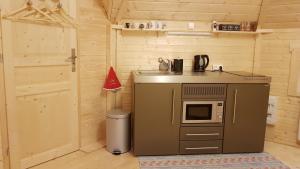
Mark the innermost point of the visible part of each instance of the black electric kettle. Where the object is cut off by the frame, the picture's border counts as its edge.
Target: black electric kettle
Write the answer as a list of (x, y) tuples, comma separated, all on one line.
[(200, 63)]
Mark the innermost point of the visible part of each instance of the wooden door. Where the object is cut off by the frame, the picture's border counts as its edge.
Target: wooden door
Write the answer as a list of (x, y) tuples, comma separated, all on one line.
[(157, 119), (41, 90), (245, 118)]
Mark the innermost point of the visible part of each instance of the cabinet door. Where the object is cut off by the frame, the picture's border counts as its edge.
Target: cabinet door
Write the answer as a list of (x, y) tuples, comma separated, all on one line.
[(157, 119), (245, 119)]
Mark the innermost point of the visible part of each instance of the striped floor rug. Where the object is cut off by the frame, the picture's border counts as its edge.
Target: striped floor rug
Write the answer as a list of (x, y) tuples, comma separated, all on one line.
[(220, 161)]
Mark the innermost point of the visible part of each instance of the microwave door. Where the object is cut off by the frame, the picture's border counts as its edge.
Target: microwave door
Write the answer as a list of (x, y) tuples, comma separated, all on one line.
[(198, 112)]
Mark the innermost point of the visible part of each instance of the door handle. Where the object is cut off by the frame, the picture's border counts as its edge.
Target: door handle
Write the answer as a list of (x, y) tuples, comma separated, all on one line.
[(72, 59), (234, 108), (173, 106)]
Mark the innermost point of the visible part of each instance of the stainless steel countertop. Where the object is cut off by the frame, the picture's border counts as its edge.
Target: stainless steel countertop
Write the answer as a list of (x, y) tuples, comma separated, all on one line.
[(153, 76)]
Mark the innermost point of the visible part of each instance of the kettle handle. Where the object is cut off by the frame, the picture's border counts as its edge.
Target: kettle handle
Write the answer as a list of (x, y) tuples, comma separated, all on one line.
[(207, 58)]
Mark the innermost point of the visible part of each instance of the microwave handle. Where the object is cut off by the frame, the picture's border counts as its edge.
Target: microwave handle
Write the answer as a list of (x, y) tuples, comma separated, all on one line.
[(173, 106), (234, 108)]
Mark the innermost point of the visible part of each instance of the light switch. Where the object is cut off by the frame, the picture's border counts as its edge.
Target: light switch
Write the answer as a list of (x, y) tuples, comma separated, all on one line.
[(191, 25)]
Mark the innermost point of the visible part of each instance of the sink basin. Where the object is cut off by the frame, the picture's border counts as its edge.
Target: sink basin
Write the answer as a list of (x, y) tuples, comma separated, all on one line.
[(155, 73)]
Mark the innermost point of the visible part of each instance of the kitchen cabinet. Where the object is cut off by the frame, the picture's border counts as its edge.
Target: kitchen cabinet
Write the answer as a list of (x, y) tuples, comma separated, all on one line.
[(156, 119), (245, 118)]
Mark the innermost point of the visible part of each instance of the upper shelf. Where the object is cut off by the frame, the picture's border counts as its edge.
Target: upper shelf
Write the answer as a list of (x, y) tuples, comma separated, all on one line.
[(259, 31), (192, 32), (144, 30)]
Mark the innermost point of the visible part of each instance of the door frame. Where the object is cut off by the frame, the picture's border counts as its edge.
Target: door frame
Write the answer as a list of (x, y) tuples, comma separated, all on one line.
[(11, 151), (3, 115), (10, 89)]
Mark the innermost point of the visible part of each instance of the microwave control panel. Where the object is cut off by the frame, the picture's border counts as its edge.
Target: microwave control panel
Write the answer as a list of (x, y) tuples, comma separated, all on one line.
[(220, 111)]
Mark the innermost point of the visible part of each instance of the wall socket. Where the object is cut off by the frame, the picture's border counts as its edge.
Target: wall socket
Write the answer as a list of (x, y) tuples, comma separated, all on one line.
[(216, 67), (272, 108)]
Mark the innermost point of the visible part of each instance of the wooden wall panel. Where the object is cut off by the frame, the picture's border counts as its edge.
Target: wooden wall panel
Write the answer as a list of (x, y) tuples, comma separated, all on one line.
[(2, 101), (274, 59), (92, 52), (2, 109), (280, 14), (140, 51), (294, 78), (197, 10)]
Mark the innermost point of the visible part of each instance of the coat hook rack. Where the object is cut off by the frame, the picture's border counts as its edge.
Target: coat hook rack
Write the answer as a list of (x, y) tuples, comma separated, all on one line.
[(32, 14), (63, 16)]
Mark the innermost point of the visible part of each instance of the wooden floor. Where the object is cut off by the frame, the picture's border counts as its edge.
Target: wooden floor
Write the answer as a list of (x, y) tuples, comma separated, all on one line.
[(101, 159)]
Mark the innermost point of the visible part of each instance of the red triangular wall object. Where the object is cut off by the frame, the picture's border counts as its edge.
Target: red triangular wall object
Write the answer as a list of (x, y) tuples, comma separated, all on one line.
[(112, 82)]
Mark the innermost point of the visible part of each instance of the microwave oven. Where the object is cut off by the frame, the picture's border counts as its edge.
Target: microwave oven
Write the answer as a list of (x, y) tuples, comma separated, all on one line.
[(202, 111)]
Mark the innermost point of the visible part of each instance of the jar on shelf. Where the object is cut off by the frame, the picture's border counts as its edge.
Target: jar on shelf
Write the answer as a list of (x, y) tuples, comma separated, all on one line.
[(214, 26)]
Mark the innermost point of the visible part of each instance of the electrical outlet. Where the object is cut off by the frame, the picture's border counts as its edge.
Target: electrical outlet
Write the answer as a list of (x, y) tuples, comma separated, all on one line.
[(216, 67), (272, 107)]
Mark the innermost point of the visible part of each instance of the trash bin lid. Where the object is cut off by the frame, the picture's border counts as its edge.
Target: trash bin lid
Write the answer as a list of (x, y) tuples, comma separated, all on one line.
[(118, 114)]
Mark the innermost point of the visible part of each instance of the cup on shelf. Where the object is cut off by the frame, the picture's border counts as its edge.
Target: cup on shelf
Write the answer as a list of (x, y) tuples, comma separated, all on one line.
[(141, 26), (164, 26), (127, 25), (149, 25), (215, 26), (248, 26), (133, 25), (253, 26), (158, 25)]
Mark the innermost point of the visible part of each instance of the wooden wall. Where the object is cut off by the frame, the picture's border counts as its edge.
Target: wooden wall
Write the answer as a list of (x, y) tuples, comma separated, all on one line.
[(280, 14), (140, 51), (197, 10), (273, 58), (92, 38), (2, 99)]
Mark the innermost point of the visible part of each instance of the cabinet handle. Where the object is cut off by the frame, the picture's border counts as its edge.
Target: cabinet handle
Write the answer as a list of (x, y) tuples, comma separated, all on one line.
[(173, 104), (234, 108), (201, 148), (209, 134)]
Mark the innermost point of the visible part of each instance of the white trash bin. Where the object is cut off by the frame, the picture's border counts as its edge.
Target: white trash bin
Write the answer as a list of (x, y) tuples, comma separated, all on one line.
[(118, 131)]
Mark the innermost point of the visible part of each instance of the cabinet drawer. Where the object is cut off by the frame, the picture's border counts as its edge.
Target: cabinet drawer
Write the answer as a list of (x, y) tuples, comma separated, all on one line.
[(201, 133), (201, 147)]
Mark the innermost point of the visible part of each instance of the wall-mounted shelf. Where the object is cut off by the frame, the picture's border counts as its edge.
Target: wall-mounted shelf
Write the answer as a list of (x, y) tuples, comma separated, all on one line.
[(260, 31), (192, 32), (143, 30)]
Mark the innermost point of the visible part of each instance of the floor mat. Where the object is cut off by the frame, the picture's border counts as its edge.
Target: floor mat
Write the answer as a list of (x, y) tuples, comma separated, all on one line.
[(217, 161)]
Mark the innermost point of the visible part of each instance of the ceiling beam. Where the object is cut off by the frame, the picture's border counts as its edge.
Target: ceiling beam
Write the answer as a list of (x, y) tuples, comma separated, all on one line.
[(121, 9), (115, 9), (108, 5)]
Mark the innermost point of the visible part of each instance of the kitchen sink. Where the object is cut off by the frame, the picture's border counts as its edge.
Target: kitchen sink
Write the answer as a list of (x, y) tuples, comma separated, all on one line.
[(155, 73)]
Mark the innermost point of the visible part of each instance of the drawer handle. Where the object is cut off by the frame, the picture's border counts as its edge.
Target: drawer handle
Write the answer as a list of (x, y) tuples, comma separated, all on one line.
[(201, 148), (209, 134)]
